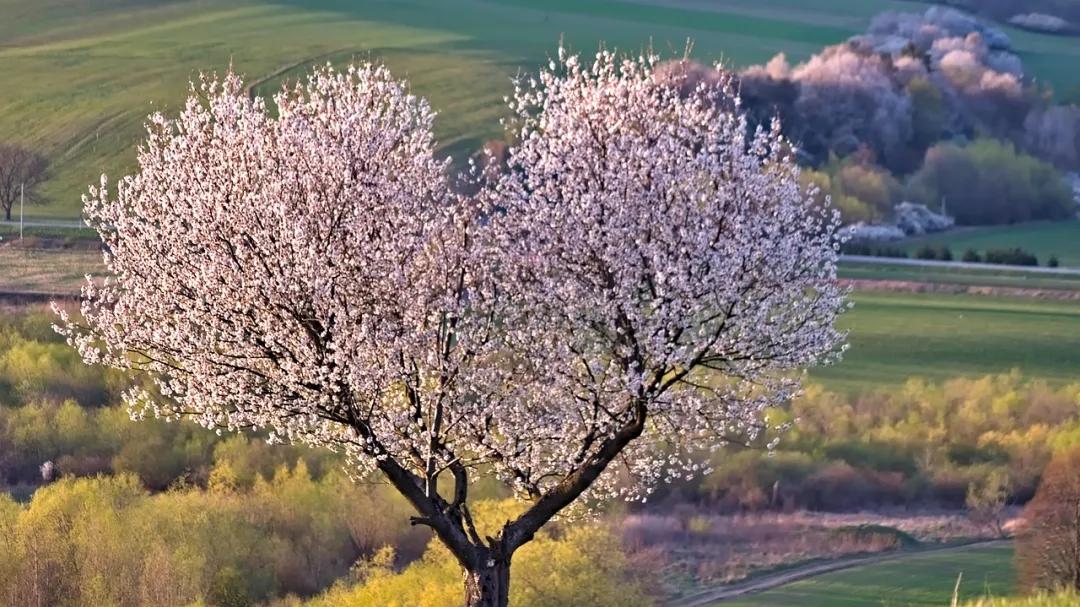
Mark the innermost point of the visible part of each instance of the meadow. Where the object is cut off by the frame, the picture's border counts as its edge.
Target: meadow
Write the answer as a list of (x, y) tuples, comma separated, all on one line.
[(987, 276), (80, 77), (1044, 239), (894, 336), (925, 580)]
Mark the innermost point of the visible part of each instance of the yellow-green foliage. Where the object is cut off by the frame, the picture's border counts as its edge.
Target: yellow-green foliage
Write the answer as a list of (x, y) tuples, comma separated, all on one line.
[(35, 364), (921, 442), (108, 541), (996, 418), (861, 192), (583, 565), (1065, 599)]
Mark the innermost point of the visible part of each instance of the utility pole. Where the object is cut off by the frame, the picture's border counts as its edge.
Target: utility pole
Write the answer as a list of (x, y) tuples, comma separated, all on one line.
[(22, 198)]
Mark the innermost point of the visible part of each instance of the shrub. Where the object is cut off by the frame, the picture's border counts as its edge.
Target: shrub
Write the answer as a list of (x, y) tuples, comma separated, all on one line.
[(870, 249), (1011, 257), (107, 541), (1046, 554), (585, 565), (938, 252), (971, 256)]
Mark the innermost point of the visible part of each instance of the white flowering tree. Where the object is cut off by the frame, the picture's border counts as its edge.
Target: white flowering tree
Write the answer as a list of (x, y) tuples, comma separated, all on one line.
[(643, 281)]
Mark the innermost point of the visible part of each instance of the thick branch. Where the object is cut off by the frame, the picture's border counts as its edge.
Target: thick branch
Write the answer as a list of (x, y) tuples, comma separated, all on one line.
[(573, 485)]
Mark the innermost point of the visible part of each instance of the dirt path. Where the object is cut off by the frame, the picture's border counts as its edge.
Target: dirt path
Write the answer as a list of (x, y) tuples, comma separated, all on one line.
[(770, 581)]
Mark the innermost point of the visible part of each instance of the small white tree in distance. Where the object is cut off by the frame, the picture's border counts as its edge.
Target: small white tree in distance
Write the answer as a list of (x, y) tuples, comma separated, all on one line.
[(641, 284)]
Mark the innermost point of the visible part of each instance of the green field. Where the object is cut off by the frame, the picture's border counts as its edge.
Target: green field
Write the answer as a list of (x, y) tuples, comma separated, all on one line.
[(924, 581), (1041, 238), (988, 276), (895, 336), (80, 76)]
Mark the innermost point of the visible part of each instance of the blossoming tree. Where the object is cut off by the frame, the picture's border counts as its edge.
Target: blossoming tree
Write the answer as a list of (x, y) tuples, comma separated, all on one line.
[(643, 281)]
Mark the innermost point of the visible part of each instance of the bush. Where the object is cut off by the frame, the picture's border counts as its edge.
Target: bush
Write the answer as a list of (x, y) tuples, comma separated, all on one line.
[(584, 565), (107, 541), (939, 253), (971, 256), (1011, 257), (1052, 262), (872, 250)]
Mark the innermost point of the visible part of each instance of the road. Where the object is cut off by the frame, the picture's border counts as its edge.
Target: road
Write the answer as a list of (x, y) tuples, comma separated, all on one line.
[(48, 223), (765, 582)]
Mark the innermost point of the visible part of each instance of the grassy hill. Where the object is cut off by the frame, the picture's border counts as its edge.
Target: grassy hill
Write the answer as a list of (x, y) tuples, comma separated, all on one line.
[(79, 76), (925, 581), (894, 336)]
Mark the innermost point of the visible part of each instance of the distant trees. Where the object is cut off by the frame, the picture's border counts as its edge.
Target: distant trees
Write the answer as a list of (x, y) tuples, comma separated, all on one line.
[(642, 284), (1048, 551), (933, 252), (21, 172), (989, 182), (108, 541)]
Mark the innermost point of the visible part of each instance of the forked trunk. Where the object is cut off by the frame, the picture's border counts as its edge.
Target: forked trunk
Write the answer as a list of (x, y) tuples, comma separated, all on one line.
[(488, 586)]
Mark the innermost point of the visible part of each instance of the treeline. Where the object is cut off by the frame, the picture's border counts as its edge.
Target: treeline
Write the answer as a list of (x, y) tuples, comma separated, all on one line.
[(934, 108), (108, 541), (978, 183), (1015, 256), (36, 365), (921, 446), (155, 513)]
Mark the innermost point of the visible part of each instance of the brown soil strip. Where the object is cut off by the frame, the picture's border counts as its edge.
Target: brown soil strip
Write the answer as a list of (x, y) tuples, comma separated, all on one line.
[(906, 286)]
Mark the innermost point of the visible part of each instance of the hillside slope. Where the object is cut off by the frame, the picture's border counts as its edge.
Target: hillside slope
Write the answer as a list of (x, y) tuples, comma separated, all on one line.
[(79, 77)]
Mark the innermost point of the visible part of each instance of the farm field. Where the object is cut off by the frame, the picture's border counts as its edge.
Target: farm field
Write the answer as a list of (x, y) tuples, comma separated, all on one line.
[(988, 276), (895, 336), (80, 77), (51, 271), (1041, 238), (922, 581)]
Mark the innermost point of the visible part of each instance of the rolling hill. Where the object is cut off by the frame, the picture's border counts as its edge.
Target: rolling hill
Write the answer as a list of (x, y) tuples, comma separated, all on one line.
[(78, 77)]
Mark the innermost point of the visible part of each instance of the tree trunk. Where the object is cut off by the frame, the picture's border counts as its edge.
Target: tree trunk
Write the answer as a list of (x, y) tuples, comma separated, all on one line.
[(488, 586)]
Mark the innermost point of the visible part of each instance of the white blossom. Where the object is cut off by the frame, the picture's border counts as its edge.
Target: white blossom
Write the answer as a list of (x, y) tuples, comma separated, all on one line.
[(642, 283)]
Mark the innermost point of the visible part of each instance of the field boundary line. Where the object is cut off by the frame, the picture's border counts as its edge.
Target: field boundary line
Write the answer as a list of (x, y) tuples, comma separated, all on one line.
[(765, 582), (960, 265), (250, 87)]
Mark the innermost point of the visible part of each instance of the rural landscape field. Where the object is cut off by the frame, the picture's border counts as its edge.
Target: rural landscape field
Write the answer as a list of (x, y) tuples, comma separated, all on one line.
[(672, 303)]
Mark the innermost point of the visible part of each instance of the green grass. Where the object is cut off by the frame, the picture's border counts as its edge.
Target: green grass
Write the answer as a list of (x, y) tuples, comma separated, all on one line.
[(1041, 238), (1065, 599), (79, 77), (925, 580), (896, 336), (990, 276), (893, 336)]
